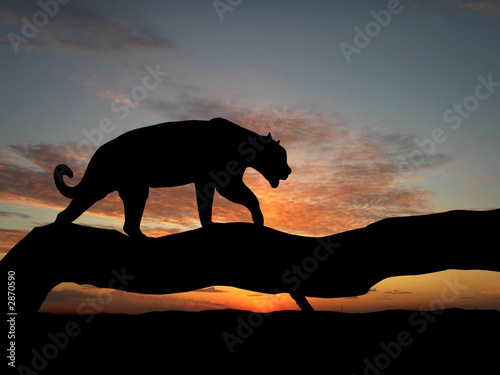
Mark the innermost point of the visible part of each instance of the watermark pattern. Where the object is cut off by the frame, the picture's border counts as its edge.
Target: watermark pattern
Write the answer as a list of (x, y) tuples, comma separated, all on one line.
[(122, 107), (59, 341), (39, 19), (297, 274), (419, 323), (292, 279), (483, 91), (248, 149), (222, 7), (363, 37), (454, 116), (11, 318)]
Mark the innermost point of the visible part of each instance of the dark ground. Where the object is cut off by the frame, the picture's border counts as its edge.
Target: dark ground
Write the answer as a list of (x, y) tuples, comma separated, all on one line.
[(391, 342)]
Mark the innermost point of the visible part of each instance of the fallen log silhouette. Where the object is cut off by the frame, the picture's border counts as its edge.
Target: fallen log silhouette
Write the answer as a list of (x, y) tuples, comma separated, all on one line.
[(256, 258)]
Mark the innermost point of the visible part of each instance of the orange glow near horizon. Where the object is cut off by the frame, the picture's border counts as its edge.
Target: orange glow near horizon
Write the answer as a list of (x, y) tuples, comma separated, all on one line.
[(476, 290), (331, 190), (409, 292)]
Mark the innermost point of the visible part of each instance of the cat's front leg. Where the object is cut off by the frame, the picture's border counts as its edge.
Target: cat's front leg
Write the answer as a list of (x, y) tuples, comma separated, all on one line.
[(238, 192)]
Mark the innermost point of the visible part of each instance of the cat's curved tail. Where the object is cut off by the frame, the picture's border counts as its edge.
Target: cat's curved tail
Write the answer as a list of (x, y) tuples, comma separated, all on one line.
[(60, 171)]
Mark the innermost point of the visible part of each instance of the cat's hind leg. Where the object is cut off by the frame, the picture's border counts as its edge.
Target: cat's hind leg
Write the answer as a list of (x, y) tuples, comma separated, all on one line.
[(134, 200), (205, 191), (77, 207)]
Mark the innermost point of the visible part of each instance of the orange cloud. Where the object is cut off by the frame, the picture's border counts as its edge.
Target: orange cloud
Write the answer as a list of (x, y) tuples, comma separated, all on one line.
[(340, 180), (486, 7), (8, 238), (490, 292)]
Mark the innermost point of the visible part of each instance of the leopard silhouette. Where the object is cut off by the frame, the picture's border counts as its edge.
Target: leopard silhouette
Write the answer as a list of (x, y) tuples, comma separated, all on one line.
[(211, 154)]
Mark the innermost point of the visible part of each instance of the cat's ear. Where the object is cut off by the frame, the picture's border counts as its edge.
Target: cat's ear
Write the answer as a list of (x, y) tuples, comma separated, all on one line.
[(269, 136), (278, 142)]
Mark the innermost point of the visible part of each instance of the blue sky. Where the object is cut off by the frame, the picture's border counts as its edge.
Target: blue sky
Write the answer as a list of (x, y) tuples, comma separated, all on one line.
[(359, 133)]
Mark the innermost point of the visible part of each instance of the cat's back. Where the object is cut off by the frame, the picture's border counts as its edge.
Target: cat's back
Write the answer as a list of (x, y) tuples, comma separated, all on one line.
[(189, 140), (217, 130)]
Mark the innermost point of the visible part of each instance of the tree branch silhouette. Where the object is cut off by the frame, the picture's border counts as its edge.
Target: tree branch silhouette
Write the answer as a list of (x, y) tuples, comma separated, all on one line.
[(250, 257)]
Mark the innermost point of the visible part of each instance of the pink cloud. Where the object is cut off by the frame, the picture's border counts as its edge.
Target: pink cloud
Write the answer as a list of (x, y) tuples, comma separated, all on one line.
[(117, 96), (340, 180)]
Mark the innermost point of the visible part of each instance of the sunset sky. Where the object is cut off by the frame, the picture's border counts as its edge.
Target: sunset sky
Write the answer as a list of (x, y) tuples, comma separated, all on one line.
[(386, 108)]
